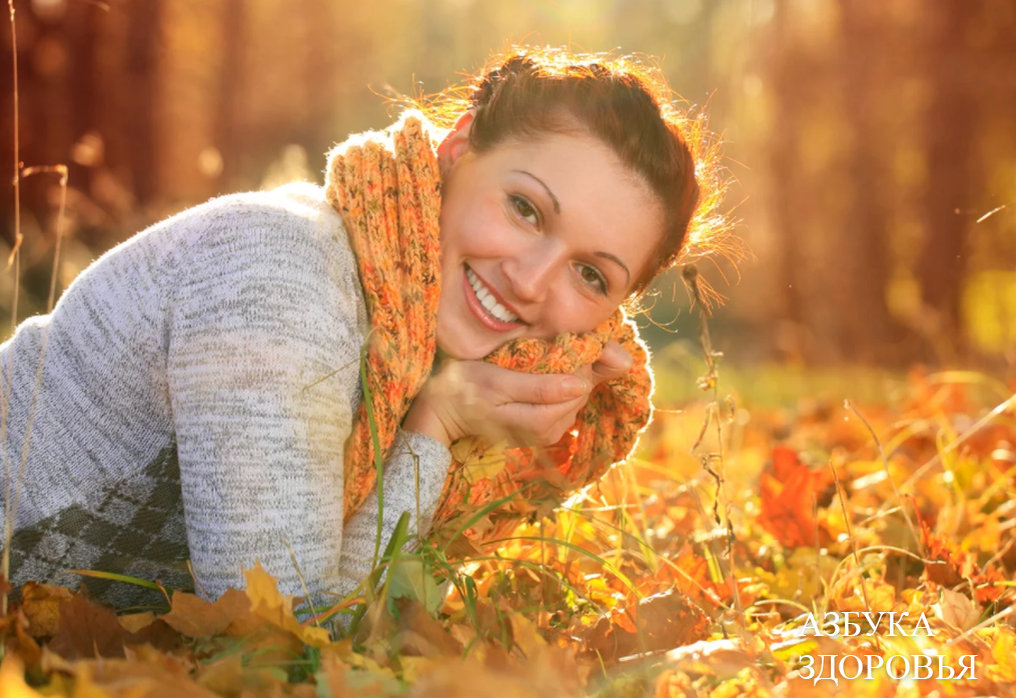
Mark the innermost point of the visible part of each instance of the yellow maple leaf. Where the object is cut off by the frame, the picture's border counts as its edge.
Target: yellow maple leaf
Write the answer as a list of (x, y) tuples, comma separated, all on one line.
[(1003, 651), (269, 603), (12, 679), (480, 459), (527, 635)]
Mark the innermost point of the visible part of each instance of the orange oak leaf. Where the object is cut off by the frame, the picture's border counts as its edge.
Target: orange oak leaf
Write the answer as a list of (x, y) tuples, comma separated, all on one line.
[(86, 630), (41, 604), (789, 490), (689, 572), (195, 617), (951, 567)]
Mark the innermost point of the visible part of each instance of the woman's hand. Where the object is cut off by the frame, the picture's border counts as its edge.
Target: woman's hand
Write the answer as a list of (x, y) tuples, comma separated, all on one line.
[(473, 398)]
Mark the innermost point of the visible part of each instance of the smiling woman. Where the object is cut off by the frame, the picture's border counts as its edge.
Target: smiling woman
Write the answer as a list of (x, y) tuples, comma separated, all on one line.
[(548, 229), (199, 398)]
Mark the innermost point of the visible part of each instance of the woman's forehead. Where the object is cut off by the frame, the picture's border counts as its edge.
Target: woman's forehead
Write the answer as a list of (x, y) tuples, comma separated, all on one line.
[(575, 163)]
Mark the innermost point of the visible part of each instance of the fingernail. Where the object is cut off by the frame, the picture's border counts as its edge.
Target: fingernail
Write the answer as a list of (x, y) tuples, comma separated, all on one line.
[(574, 386)]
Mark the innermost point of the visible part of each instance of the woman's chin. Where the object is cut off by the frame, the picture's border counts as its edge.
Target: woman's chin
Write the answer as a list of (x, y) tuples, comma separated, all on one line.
[(467, 346), (459, 346), (460, 353)]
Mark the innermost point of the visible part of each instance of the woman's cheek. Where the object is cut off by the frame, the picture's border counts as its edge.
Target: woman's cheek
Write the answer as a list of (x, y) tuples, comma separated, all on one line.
[(569, 311), (495, 229)]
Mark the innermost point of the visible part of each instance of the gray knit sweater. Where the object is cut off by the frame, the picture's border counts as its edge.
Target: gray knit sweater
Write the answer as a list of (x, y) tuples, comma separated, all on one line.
[(182, 414)]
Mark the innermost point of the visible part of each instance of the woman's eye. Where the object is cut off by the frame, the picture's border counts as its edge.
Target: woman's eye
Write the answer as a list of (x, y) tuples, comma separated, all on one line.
[(594, 278), (525, 209)]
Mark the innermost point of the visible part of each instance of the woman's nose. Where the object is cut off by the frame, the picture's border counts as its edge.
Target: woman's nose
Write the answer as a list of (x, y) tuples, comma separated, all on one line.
[(531, 271)]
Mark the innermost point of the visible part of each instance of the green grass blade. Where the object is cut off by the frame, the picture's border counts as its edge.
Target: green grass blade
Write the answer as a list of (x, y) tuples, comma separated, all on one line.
[(592, 556), (368, 401), (112, 576), (399, 536)]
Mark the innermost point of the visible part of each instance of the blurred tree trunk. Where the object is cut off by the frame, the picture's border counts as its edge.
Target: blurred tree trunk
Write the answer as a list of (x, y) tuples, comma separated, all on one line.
[(143, 43), (229, 121), (324, 72), (868, 332), (787, 84), (82, 28), (949, 129)]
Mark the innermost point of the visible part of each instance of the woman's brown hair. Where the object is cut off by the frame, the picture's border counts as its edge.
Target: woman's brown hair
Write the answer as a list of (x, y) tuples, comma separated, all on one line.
[(628, 106)]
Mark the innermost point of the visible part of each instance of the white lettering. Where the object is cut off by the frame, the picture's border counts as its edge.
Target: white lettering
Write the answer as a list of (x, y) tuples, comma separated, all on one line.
[(874, 658), (873, 626), (850, 629), (832, 670), (834, 624), (922, 661), (860, 667), (889, 667), (923, 621), (965, 667), (812, 624), (893, 622), (810, 667)]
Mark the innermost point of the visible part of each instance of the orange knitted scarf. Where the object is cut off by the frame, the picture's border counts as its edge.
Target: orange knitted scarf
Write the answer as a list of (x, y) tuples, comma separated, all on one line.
[(386, 187)]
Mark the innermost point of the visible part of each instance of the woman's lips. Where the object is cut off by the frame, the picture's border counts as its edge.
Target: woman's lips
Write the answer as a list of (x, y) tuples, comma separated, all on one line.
[(481, 314)]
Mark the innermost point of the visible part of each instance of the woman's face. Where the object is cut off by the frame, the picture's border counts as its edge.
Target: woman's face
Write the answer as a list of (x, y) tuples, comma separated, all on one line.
[(538, 237)]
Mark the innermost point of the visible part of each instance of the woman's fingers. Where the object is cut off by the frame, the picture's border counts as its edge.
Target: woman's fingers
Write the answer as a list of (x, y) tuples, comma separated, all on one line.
[(531, 388), (614, 362), (539, 425)]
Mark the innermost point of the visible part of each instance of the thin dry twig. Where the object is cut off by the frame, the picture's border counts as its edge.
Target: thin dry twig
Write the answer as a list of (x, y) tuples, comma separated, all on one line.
[(711, 382), (15, 257), (13, 503), (299, 575), (60, 170), (850, 533), (13, 496), (885, 464), (959, 441), (994, 619), (197, 583)]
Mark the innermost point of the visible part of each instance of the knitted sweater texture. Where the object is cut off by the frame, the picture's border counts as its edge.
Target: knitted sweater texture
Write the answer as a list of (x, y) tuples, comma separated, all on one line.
[(199, 384)]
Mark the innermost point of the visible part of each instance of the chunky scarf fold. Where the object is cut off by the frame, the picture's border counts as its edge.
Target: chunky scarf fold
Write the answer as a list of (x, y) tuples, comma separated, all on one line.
[(386, 187)]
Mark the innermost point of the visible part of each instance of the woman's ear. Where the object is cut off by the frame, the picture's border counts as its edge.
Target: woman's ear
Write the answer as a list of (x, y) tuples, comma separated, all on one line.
[(456, 143)]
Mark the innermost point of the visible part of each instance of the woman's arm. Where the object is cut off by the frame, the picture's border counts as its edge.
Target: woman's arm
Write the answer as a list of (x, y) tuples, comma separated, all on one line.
[(413, 455), (268, 304)]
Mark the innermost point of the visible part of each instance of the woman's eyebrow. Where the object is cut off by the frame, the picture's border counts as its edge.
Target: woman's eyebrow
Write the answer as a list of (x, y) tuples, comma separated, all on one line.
[(557, 204), (607, 255)]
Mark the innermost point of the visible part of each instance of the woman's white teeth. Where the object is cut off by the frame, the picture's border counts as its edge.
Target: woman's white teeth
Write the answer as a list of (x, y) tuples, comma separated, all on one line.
[(486, 299)]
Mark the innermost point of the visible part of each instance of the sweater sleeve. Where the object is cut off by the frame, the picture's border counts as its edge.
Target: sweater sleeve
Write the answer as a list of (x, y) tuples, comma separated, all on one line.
[(267, 327), (413, 454)]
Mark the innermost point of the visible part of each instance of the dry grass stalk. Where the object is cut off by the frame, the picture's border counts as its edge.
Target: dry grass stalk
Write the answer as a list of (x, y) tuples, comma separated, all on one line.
[(715, 411), (15, 258), (850, 532), (885, 464), (12, 495)]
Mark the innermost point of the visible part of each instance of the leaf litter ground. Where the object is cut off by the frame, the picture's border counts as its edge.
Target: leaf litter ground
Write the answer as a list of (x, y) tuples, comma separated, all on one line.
[(680, 574)]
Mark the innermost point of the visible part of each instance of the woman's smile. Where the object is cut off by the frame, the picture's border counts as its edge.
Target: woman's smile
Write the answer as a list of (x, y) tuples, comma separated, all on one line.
[(487, 305)]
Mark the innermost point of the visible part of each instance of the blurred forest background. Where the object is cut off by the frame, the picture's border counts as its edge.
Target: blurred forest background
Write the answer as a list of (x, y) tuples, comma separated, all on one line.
[(873, 142)]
